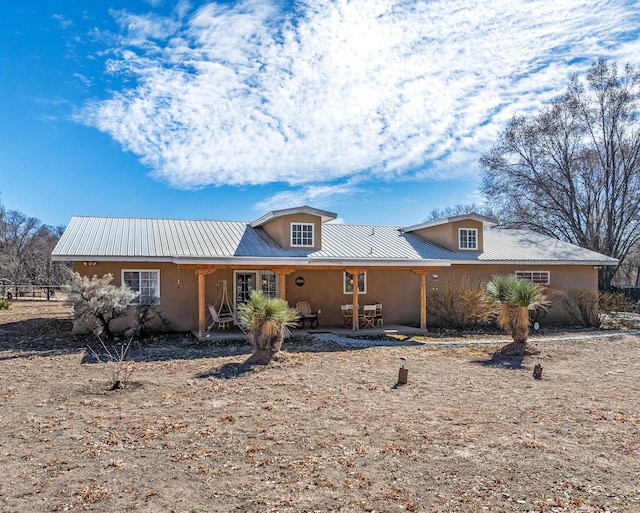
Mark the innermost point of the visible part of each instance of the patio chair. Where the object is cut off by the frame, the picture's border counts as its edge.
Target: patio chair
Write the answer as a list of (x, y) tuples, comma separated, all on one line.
[(379, 317), (347, 315), (367, 318), (306, 315), (224, 320)]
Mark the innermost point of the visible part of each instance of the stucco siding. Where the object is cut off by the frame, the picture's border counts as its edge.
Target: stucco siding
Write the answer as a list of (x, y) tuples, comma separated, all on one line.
[(398, 290), (562, 280)]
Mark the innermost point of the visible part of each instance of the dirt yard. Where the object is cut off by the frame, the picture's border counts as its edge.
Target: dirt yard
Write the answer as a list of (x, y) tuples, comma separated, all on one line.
[(322, 429)]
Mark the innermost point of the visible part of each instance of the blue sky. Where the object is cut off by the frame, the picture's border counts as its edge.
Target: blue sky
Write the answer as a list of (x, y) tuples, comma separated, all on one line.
[(377, 110)]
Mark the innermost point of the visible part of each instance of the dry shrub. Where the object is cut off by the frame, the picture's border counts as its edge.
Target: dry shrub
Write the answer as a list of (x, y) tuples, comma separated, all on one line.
[(4, 304), (115, 363), (460, 303), (97, 301), (615, 302), (582, 306)]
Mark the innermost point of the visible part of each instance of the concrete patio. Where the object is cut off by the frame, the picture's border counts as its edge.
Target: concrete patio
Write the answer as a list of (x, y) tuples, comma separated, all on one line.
[(391, 329)]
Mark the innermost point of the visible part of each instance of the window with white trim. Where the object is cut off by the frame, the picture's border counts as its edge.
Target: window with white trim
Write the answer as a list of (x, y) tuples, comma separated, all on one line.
[(468, 238), (145, 282), (302, 234), (347, 282), (540, 277)]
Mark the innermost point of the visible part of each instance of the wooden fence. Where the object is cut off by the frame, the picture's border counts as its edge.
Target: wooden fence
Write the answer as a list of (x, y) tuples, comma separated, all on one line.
[(35, 292)]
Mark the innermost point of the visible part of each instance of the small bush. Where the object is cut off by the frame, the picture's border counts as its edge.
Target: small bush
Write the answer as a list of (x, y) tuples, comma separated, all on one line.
[(4, 304), (582, 306), (615, 302), (115, 364), (460, 304)]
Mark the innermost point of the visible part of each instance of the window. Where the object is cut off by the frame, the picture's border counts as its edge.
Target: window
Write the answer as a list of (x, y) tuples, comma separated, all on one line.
[(146, 283), (541, 277), (348, 283), (302, 234), (268, 284), (468, 238)]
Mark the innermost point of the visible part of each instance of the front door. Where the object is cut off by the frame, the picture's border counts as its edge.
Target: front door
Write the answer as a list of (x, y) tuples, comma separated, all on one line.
[(248, 281)]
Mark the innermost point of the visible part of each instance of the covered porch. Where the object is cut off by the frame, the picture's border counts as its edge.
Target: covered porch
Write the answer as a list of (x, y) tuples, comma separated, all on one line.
[(403, 300)]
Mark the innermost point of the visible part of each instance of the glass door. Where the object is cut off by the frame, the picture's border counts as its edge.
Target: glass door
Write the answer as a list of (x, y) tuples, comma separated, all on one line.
[(248, 281), (245, 283)]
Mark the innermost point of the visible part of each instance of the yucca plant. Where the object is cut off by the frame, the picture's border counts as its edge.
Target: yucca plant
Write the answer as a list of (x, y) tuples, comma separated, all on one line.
[(267, 321), (516, 298)]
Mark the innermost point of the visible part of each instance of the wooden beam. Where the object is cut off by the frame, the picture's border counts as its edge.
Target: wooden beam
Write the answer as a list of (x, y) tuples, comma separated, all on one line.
[(272, 267), (202, 313), (423, 301), (202, 302), (211, 268), (355, 272), (356, 307), (282, 286), (422, 272), (282, 273)]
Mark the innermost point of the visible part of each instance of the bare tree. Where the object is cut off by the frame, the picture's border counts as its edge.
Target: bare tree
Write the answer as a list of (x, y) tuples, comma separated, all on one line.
[(573, 171), (629, 271), (25, 250), (441, 213), (16, 231)]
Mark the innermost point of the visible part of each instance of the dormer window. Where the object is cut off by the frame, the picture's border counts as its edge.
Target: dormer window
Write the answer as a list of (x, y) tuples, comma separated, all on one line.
[(468, 238), (301, 234)]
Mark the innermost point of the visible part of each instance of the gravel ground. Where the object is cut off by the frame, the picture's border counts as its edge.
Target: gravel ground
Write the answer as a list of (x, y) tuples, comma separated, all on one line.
[(324, 428)]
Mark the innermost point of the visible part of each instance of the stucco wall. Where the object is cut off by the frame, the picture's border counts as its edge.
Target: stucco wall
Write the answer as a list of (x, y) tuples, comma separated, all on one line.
[(398, 290), (178, 290), (562, 280)]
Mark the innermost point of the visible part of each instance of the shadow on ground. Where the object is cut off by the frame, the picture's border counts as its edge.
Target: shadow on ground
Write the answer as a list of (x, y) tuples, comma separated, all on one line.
[(39, 336), (500, 361), (228, 371)]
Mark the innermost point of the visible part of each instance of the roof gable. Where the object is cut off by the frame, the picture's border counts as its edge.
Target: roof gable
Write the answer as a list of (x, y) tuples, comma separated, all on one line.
[(275, 214), (485, 220)]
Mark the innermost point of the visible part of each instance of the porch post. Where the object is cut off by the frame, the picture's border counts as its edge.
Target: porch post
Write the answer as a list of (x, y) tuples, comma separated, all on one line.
[(355, 321), (202, 302), (282, 275), (423, 296), (423, 301), (356, 307)]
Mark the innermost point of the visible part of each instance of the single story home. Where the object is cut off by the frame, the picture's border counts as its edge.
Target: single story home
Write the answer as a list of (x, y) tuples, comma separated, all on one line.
[(298, 254)]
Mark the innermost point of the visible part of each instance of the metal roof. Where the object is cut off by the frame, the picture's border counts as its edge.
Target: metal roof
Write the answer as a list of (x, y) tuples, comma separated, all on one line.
[(191, 241), (507, 245)]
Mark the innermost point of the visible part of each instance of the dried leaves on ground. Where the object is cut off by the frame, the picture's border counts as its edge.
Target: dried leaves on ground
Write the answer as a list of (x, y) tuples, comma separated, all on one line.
[(323, 428)]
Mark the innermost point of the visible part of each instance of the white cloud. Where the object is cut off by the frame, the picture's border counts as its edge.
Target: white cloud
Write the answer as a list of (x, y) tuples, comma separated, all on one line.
[(340, 90), (62, 20), (311, 195)]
